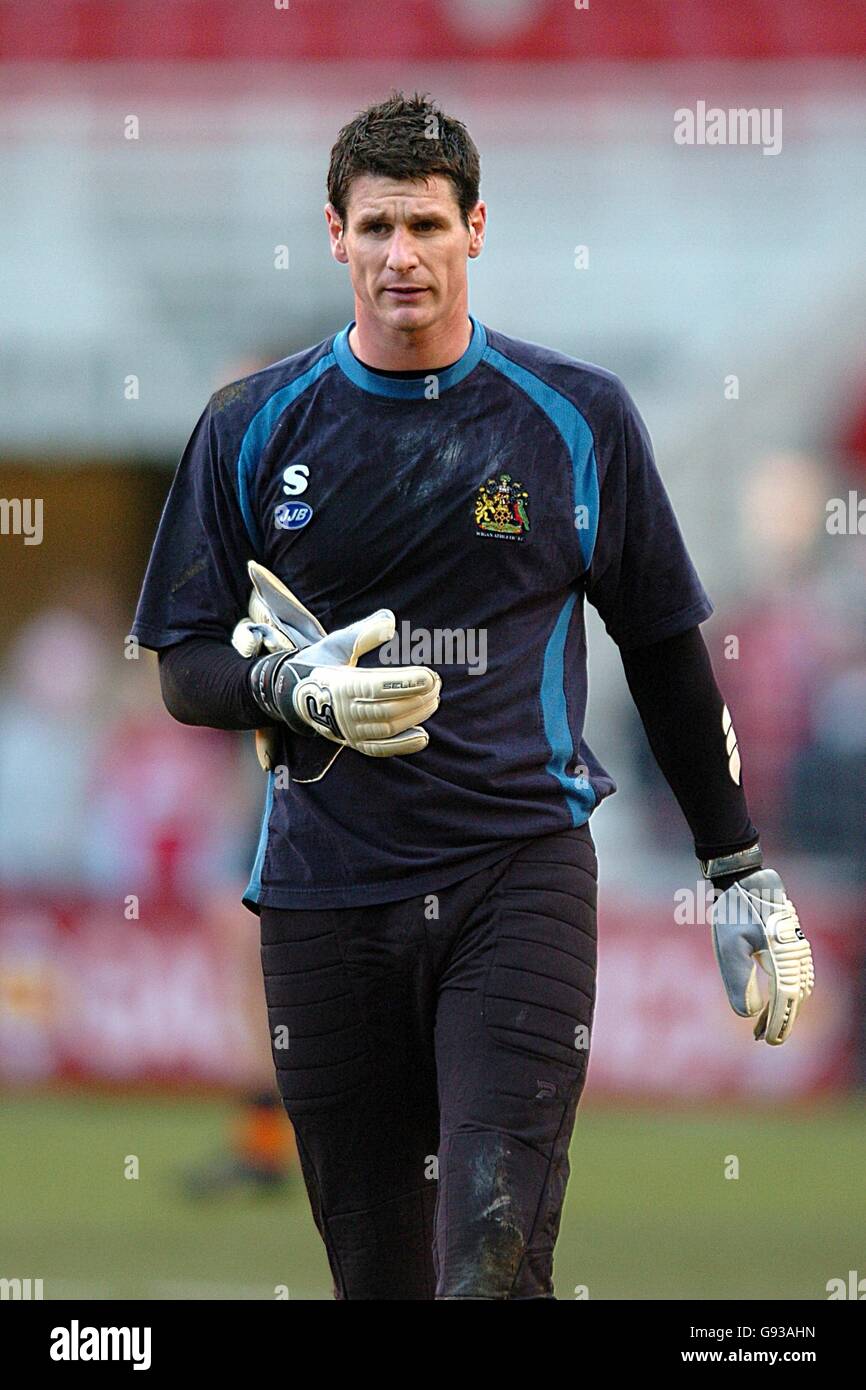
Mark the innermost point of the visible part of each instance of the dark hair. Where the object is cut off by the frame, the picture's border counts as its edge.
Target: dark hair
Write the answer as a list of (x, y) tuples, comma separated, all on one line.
[(394, 138)]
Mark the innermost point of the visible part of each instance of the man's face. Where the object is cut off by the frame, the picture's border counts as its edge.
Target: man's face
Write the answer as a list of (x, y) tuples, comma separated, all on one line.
[(406, 247)]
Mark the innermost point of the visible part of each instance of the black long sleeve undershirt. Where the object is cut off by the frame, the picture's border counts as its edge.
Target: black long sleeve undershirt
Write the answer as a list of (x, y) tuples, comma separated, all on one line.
[(674, 688), (205, 681)]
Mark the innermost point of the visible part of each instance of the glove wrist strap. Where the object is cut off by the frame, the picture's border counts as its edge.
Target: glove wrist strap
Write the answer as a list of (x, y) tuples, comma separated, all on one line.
[(272, 680), (741, 862)]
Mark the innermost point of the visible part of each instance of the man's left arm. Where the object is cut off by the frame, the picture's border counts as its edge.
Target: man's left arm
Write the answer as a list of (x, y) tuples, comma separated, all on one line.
[(641, 580), (691, 734)]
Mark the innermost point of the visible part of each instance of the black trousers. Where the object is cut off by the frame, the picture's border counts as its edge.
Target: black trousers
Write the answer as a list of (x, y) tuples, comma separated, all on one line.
[(431, 1054)]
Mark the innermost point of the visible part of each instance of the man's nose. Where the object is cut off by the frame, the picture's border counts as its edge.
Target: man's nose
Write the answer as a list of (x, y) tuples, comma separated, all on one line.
[(401, 251)]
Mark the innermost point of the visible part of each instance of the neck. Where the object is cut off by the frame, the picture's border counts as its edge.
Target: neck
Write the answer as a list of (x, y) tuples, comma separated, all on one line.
[(401, 349)]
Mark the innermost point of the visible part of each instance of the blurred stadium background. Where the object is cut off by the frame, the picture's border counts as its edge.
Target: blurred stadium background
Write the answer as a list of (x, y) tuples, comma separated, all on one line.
[(154, 159)]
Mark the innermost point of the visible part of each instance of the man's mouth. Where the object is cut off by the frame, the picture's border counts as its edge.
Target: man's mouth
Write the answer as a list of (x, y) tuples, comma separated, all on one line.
[(406, 291)]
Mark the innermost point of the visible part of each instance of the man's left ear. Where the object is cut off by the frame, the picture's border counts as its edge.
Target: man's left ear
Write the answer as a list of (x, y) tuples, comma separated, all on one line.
[(477, 227)]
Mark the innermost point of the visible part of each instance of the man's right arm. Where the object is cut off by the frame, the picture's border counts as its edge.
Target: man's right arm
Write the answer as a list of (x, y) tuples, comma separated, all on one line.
[(205, 681)]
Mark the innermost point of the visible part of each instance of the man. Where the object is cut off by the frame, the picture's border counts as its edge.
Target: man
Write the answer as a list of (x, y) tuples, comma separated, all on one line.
[(426, 877)]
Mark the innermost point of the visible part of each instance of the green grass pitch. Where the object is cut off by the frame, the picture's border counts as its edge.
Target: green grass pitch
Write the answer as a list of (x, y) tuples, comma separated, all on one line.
[(649, 1212)]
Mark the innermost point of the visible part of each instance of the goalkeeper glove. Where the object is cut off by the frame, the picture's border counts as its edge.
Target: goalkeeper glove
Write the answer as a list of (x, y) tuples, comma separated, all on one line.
[(377, 711), (382, 710), (755, 923)]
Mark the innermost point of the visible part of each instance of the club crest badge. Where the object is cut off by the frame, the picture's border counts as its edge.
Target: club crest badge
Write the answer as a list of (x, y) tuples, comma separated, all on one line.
[(502, 509)]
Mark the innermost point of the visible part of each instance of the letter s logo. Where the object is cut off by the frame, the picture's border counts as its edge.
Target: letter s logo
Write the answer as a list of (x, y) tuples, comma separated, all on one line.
[(295, 479)]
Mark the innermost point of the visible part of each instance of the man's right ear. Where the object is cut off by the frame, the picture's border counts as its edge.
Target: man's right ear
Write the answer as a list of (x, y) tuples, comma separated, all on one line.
[(335, 233)]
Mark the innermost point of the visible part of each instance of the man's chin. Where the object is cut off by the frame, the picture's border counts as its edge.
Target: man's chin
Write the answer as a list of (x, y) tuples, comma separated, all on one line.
[(410, 313)]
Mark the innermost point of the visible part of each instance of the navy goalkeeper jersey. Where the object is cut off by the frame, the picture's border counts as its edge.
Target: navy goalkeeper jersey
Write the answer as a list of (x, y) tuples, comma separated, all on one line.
[(482, 504)]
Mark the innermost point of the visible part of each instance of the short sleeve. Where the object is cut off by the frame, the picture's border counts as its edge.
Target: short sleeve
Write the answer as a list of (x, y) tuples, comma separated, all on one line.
[(640, 578), (196, 581)]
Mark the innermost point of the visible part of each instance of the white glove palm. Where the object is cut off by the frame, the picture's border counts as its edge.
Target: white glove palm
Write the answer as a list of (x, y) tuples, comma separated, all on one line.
[(277, 620), (755, 923)]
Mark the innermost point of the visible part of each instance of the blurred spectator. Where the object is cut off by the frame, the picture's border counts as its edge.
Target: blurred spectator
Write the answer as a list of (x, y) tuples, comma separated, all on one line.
[(154, 823), (99, 787), (52, 697)]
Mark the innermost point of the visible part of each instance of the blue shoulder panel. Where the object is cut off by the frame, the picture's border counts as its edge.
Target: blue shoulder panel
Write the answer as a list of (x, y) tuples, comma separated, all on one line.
[(259, 431), (578, 440)]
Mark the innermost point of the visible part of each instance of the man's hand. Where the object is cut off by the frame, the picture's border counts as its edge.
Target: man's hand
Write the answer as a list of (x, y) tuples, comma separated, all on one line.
[(311, 681), (378, 711), (755, 923)]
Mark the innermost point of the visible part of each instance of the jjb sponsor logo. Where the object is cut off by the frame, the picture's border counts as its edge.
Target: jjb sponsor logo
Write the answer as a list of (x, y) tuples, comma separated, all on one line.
[(291, 516)]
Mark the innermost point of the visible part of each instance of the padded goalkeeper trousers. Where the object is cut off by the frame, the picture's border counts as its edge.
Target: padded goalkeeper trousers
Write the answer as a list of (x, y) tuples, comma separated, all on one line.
[(431, 1053)]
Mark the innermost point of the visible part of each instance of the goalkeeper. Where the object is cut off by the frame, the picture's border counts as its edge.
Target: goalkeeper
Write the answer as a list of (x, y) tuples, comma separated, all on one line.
[(426, 875)]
